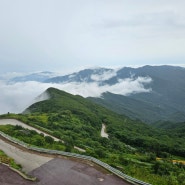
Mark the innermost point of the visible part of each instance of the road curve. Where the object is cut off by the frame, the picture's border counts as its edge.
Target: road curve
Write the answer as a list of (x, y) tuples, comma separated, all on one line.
[(45, 168), (56, 171), (29, 161)]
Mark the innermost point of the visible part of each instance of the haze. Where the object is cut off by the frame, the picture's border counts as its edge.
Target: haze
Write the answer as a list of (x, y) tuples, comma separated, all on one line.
[(66, 35)]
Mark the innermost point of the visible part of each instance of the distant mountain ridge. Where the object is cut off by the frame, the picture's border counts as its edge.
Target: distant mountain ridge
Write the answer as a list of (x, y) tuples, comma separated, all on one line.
[(164, 99), (85, 75), (37, 76)]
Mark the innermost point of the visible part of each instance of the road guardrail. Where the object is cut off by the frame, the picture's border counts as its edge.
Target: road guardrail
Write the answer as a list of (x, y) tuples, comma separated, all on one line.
[(68, 154)]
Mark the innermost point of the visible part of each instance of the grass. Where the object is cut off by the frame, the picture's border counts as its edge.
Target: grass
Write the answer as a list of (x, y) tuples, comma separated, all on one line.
[(7, 160)]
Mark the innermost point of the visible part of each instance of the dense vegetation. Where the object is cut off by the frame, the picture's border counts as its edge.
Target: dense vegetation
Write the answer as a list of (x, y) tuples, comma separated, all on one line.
[(133, 147), (31, 137)]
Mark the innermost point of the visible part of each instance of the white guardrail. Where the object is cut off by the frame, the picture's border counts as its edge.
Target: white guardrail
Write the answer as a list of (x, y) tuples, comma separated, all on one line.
[(96, 161)]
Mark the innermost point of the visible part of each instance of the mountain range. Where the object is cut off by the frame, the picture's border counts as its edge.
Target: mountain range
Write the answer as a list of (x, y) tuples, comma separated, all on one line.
[(37, 76), (141, 109), (157, 93)]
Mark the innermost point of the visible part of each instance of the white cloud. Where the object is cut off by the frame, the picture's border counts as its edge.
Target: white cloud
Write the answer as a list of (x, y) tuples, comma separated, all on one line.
[(105, 76), (16, 97)]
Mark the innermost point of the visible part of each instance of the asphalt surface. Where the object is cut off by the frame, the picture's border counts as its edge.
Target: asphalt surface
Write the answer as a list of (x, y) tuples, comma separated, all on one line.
[(69, 172), (61, 171), (9, 177), (29, 161)]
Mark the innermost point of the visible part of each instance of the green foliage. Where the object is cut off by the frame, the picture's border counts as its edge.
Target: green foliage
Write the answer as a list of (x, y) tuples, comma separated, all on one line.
[(31, 137), (12, 163), (49, 140), (132, 145)]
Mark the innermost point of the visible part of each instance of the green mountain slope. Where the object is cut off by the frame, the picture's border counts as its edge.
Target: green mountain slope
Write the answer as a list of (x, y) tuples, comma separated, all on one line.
[(147, 111), (132, 146), (165, 102), (68, 111)]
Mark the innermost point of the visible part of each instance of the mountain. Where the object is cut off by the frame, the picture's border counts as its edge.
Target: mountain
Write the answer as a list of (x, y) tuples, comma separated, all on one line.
[(165, 102), (149, 93), (38, 77), (132, 146), (163, 98), (86, 75), (78, 111)]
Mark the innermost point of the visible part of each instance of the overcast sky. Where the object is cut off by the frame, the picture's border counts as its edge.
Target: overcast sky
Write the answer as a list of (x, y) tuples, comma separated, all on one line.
[(60, 35)]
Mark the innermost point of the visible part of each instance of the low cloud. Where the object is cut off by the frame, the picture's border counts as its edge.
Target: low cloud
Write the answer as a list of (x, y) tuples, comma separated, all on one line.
[(105, 76), (17, 97)]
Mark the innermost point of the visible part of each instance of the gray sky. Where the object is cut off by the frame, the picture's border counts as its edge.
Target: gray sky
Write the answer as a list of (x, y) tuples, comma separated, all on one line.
[(60, 35)]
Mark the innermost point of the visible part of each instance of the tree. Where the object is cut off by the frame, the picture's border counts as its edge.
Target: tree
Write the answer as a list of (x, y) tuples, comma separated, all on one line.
[(49, 139), (38, 141), (100, 152)]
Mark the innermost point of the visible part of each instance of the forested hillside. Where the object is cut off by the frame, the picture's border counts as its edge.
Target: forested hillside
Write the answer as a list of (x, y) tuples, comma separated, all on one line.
[(149, 93), (136, 148), (165, 101)]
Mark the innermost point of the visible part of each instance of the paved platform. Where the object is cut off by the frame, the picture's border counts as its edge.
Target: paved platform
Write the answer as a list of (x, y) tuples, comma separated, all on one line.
[(67, 172)]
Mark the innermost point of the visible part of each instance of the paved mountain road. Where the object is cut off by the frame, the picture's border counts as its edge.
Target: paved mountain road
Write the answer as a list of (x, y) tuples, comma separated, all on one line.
[(28, 161), (56, 171), (51, 169)]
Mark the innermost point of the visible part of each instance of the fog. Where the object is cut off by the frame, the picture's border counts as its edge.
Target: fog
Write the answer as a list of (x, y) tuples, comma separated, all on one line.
[(16, 97)]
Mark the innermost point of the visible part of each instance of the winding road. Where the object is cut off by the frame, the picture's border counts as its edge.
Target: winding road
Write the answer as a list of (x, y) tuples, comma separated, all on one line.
[(51, 169)]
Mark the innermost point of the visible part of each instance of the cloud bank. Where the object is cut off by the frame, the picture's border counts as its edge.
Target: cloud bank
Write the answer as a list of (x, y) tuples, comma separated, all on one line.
[(18, 96), (106, 75)]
